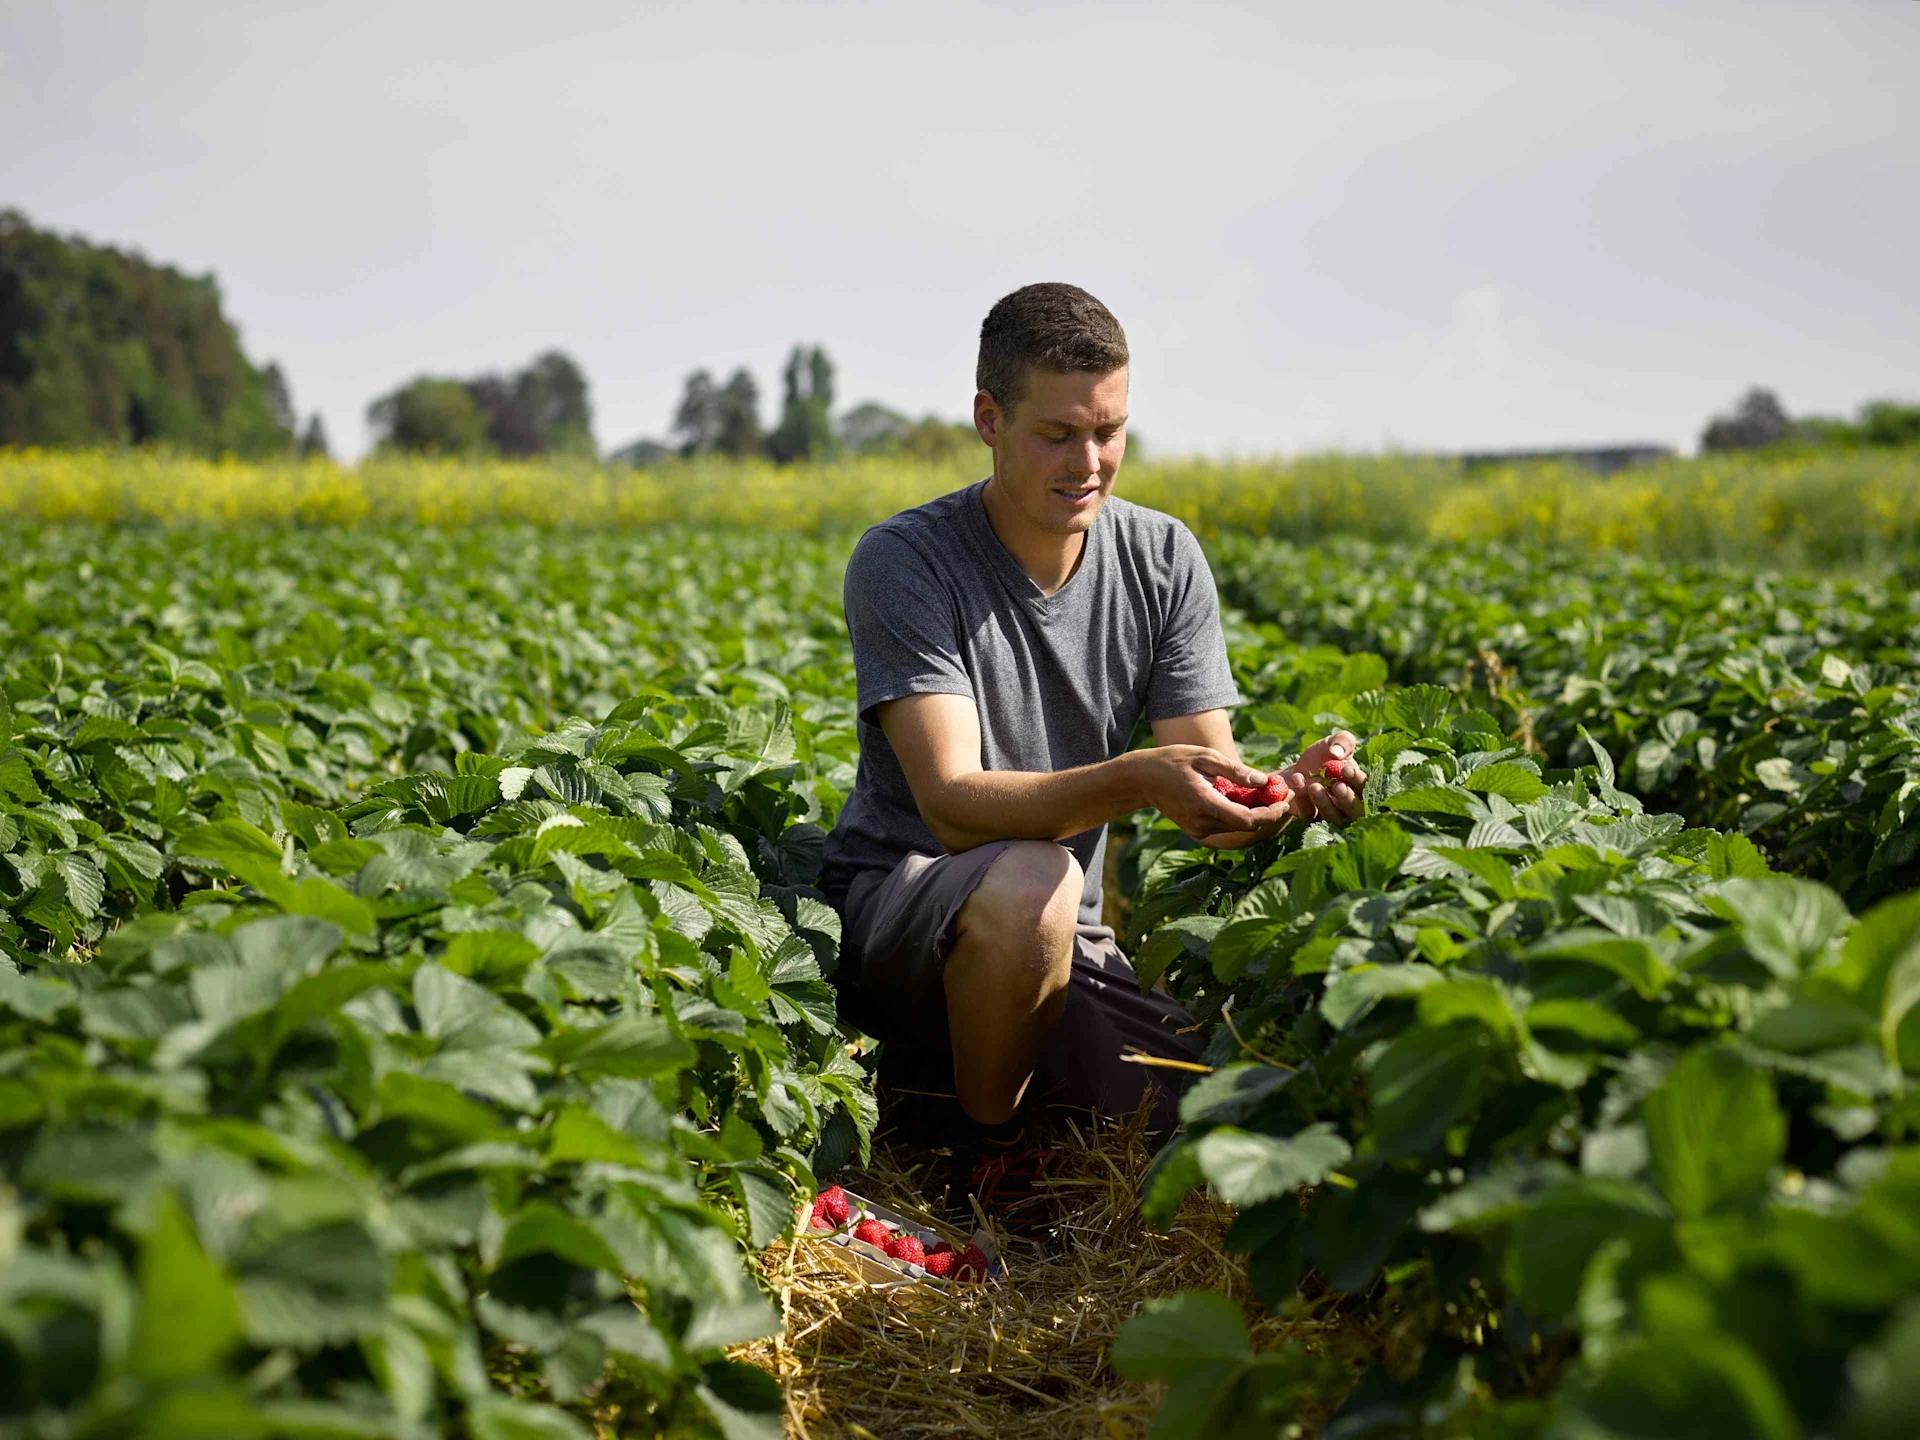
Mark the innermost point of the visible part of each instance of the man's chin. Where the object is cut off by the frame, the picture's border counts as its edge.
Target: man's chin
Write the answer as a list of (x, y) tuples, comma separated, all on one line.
[(1073, 522)]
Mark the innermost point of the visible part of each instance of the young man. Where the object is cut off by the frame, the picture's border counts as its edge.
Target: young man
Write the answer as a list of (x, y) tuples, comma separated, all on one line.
[(1007, 639)]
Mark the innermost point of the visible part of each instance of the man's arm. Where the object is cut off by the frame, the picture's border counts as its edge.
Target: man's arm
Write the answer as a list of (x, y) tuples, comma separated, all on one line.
[(937, 740)]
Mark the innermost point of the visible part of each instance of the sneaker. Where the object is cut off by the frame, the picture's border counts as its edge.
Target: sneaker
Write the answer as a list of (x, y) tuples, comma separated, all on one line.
[(1002, 1168)]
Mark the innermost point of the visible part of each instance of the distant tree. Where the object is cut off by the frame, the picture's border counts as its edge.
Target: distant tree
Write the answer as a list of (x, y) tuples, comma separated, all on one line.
[(1890, 423), (870, 428), (874, 429), (101, 347), (313, 444), (696, 423), (739, 416), (806, 414), (1757, 421), (430, 417), (931, 438), (641, 453), (541, 410), (280, 401)]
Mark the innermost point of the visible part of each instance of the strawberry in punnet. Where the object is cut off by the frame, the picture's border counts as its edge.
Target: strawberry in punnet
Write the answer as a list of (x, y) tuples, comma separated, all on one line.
[(821, 1220), (907, 1249), (972, 1264), (873, 1231), (833, 1203), (940, 1263)]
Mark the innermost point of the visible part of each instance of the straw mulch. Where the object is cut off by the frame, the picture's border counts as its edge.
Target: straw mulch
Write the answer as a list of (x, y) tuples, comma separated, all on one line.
[(1025, 1356)]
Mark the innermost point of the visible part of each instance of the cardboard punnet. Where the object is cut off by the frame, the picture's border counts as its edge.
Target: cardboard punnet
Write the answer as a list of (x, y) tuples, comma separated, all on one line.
[(874, 1265)]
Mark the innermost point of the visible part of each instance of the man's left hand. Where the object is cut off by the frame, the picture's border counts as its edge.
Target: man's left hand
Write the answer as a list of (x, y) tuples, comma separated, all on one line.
[(1326, 783)]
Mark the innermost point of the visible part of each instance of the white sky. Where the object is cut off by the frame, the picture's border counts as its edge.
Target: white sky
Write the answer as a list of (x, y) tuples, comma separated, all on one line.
[(1415, 224)]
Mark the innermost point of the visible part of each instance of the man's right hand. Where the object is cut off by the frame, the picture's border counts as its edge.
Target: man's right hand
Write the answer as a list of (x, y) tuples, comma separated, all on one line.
[(1177, 780)]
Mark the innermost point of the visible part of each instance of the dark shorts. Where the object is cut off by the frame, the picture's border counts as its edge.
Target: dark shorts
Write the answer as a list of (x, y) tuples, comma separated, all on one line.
[(899, 927)]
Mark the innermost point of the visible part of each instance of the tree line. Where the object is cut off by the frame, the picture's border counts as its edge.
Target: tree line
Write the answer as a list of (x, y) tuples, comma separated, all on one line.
[(1758, 421), (99, 346)]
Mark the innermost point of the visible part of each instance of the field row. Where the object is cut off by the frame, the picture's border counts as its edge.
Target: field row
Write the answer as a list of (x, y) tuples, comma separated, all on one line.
[(1823, 510), (413, 959)]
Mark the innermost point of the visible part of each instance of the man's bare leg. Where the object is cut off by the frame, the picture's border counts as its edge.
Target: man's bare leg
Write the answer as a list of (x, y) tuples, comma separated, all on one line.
[(1006, 976)]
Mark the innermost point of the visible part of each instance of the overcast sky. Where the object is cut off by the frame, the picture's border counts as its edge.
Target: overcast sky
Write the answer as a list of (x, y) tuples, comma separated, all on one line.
[(1409, 224)]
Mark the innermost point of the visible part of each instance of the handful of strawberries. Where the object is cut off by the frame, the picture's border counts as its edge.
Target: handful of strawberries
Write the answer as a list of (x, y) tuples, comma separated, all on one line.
[(1275, 791), (1254, 797)]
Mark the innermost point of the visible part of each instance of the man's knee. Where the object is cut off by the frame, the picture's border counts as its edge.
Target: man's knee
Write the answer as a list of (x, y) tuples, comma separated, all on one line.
[(1027, 906)]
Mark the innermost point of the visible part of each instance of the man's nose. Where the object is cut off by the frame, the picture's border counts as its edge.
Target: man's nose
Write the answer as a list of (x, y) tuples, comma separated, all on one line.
[(1086, 460)]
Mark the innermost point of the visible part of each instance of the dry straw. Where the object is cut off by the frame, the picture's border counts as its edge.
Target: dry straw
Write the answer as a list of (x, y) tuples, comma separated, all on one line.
[(1026, 1356)]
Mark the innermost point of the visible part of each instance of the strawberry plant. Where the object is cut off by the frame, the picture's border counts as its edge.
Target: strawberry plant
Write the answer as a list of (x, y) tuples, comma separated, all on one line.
[(506, 1060), (1614, 1124), (1781, 708)]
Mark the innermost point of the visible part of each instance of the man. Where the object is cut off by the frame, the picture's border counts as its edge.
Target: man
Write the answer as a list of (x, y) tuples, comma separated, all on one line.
[(1007, 639)]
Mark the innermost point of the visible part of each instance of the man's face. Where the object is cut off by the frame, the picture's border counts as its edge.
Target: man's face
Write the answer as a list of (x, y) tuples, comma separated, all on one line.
[(1055, 456)]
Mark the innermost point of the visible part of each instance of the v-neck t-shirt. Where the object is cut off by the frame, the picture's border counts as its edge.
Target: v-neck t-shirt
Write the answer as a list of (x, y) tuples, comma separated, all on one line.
[(935, 604)]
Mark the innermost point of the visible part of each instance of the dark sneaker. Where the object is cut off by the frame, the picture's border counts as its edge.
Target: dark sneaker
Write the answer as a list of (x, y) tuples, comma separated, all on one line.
[(1005, 1175)]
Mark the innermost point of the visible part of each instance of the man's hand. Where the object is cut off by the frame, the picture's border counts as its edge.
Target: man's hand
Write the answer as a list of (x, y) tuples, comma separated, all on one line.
[(1325, 782), (1177, 780)]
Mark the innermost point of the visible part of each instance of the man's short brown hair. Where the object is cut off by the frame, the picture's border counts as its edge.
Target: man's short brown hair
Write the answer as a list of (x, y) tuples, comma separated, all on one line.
[(1050, 325)]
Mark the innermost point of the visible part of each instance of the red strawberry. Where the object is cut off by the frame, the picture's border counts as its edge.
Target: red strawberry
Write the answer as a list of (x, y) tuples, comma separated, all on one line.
[(873, 1231), (907, 1249), (821, 1220), (940, 1262), (972, 1264), (834, 1201), (1274, 792), (1247, 795), (1335, 772)]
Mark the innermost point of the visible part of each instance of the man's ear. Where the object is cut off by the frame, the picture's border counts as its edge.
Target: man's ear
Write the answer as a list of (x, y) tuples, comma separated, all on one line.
[(987, 418)]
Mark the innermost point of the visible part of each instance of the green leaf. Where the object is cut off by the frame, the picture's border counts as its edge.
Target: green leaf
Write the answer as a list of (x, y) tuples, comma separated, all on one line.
[(1173, 1337), (322, 1286), (1423, 1082), (1508, 779), (1707, 1385), (1470, 997), (1175, 1171), (541, 1227), (189, 1319), (1434, 800), (1352, 993), (580, 1136), (1785, 923), (1246, 1168), (632, 1045), (1715, 1131), (1583, 1020), (1629, 957), (501, 1417), (435, 1104), (768, 1201), (87, 1161), (1231, 1094)]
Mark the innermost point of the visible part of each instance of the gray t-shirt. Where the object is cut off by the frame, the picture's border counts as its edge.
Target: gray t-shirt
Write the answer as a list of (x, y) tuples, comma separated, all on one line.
[(936, 605)]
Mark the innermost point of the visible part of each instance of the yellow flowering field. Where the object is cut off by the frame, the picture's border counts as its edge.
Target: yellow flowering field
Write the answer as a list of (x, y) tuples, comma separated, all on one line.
[(1824, 509)]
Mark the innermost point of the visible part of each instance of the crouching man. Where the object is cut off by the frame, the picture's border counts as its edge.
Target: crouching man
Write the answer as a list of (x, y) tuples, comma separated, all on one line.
[(1007, 639)]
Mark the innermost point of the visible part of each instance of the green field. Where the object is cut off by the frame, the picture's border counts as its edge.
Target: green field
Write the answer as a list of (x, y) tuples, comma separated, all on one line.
[(416, 1006)]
